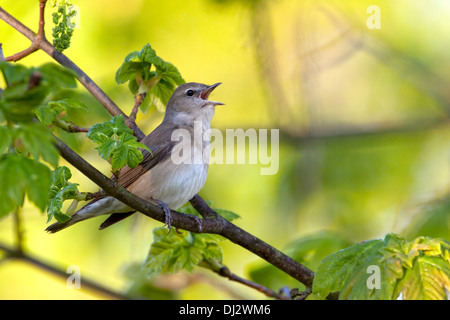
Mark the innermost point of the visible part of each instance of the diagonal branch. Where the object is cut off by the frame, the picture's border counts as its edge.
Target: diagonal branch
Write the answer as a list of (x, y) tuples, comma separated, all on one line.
[(215, 224), (46, 266), (39, 37), (226, 273), (82, 77)]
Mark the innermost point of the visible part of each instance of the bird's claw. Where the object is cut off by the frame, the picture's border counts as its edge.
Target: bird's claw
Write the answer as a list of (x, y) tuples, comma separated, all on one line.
[(168, 217)]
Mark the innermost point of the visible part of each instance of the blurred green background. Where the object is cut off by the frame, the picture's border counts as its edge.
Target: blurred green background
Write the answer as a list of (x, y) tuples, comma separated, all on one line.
[(363, 116)]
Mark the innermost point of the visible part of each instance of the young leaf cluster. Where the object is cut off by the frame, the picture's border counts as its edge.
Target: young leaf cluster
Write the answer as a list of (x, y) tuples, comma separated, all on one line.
[(116, 143), (60, 190), (416, 270), (176, 251), (147, 73)]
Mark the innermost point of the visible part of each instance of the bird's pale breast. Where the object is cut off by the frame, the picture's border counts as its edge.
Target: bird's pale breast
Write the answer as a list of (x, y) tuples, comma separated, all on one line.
[(174, 184)]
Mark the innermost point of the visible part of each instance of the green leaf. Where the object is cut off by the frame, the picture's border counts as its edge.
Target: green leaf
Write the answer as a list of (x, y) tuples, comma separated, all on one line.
[(58, 75), (38, 182), (308, 250), (159, 95), (61, 189), (148, 73), (38, 141), (49, 113), (180, 251), (21, 176), (102, 132), (55, 204), (19, 101), (60, 177), (14, 73), (68, 104), (416, 269), (426, 280), (116, 143), (6, 138), (227, 214)]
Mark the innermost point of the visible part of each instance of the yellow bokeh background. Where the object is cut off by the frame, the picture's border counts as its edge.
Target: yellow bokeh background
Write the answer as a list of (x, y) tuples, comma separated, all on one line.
[(363, 116)]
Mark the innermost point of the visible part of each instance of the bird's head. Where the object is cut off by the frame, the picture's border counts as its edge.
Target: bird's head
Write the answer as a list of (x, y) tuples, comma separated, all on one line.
[(190, 102)]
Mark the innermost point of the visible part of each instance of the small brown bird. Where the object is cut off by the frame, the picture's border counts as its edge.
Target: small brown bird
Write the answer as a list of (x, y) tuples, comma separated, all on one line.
[(158, 178)]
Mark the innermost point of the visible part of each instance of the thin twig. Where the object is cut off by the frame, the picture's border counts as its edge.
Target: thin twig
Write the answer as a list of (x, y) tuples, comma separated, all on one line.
[(38, 38), (139, 98), (225, 272), (69, 126), (18, 230), (82, 77), (2, 57), (44, 265), (22, 54)]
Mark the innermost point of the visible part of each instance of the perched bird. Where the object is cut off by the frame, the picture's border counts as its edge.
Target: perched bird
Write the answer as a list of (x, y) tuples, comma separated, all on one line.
[(158, 178)]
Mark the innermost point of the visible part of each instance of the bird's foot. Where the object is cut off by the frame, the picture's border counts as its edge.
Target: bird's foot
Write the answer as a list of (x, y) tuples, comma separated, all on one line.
[(168, 217), (196, 219)]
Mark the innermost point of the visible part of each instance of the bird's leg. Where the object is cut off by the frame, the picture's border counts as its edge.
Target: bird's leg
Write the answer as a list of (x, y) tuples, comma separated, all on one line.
[(196, 219), (166, 209)]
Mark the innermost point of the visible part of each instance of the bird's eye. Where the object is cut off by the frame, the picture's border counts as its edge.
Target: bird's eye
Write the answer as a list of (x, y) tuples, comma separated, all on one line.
[(190, 93)]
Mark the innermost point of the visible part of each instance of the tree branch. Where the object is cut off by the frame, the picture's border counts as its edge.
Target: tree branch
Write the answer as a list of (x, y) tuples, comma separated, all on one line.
[(225, 272), (92, 285), (214, 224), (139, 98), (82, 77), (69, 126), (39, 37)]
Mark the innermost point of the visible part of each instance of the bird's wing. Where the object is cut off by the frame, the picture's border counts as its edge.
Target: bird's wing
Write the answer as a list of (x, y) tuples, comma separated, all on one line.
[(160, 144)]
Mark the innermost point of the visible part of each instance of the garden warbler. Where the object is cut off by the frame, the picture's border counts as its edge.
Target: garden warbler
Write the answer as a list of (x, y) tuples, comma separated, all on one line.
[(161, 177)]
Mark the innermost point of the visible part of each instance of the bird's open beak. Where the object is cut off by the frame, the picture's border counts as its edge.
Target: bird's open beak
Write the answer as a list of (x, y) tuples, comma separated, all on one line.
[(205, 94)]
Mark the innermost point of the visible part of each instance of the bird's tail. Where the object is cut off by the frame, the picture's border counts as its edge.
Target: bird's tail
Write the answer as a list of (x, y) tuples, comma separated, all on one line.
[(58, 226), (95, 208), (90, 210)]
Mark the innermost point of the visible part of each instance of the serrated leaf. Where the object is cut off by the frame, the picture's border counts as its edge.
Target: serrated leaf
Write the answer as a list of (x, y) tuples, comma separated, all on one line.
[(159, 83), (61, 176), (404, 267), (116, 143), (159, 95), (21, 176), (102, 132), (119, 156), (48, 115), (179, 251), (426, 280), (61, 190)]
